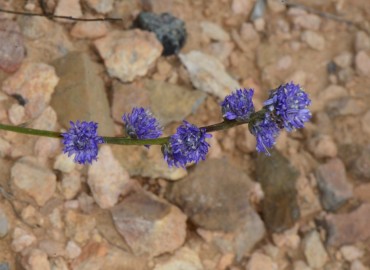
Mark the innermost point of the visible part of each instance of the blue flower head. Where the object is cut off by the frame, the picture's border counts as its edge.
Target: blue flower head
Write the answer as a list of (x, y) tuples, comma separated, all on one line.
[(82, 141), (141, 124), (266, 130), (187, 145), (238, 105), (289, 103)]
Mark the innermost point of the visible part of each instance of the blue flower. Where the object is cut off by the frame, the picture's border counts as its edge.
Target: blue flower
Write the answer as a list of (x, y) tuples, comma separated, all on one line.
[(238, 106), (187, 145), (289, 103), (82, 141), (141, 124), (266, 130)]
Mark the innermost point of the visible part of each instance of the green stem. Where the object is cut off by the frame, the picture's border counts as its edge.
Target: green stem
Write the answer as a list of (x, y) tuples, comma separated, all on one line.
[(31, 131), (127, 141)]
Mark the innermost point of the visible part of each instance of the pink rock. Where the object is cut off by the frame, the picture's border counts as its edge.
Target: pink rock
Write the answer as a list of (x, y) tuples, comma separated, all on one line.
[(101, 6), (333, 184), (71, 8), (16, 114), (349, 228), (260, 261), (71, 184), (12, 50), (36, 259), (128, 54), (31, 179), (184, 258), (313, 40), (22, 239), (362, 62), (149, 225), (90, 30), (308, 21), (35, 82), (107, 179), (323, 146), (241, 6)]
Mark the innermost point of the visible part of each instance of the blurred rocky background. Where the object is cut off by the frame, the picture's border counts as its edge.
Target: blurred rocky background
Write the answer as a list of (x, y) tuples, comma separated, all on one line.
[(305, 207)]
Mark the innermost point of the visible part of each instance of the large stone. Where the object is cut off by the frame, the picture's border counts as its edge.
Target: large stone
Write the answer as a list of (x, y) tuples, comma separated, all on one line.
[(278, 179), (211, 200), (46, 40), (30, 178), (219, 205), (208, 74), (107, 179), (171, 102), (149, 225), (168, 102), (35, 83), (80, 93), (128, 54), (349, 228), (12, 49), (332, 182)]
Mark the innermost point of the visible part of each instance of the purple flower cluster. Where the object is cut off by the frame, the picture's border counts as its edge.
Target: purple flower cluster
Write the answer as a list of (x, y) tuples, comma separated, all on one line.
[(187, 145), (288, 103), (286, 107), (82, 141), (141, 124), (238, 106), (266, 131)]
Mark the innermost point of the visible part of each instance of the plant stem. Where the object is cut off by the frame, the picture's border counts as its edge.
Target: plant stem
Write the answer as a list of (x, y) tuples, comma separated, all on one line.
[(226, 124), (31, 131)]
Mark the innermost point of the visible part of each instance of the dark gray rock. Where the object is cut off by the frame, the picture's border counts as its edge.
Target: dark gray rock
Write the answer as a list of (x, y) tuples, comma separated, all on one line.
[(80, 93), (4, 266), (362, 164), (333, 185), (278, 180), (356, 157), (169, 30), (215, 197)]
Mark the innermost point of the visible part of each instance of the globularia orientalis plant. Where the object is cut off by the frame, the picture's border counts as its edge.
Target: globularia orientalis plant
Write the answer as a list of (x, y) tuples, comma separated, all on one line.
[(286, 108)]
